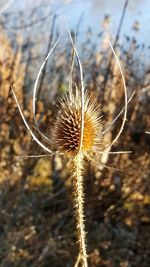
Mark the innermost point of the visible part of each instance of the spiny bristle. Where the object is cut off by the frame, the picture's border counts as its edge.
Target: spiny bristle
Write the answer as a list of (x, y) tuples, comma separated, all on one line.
[(66, 132)]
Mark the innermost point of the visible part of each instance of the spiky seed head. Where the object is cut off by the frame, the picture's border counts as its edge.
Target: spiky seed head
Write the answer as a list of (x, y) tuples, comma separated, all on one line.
[(66, 130)]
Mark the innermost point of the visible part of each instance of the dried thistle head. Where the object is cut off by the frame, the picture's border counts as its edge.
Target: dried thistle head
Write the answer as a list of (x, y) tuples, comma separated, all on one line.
[(77, 131), (67, 127), (77, 126)]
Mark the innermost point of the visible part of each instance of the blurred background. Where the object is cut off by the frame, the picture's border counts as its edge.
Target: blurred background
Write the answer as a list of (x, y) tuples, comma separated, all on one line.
[(37, 225)]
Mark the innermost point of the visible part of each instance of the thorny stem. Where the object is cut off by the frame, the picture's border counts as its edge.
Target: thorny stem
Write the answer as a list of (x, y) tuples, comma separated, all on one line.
[(77, 261), (79, 201), (78, 178)]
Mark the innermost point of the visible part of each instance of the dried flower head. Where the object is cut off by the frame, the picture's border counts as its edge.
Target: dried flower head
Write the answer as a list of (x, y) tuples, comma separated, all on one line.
[(67, 126)]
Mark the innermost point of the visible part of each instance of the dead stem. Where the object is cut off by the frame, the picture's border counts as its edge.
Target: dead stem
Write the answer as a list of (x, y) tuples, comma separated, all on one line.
[(79, 201)]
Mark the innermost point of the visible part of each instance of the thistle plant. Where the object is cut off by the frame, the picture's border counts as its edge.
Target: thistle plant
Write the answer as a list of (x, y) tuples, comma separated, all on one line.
[(77, 133)]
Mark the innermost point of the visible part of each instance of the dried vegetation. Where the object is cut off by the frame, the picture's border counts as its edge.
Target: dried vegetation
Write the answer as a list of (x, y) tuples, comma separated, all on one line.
[(36, 212)]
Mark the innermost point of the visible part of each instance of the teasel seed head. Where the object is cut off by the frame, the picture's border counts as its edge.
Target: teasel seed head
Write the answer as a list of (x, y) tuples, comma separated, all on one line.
[(66, 129)]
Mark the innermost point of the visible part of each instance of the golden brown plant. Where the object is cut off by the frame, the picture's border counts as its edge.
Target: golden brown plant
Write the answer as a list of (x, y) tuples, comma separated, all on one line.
[(11, 70), (77, 133), (67, 127)]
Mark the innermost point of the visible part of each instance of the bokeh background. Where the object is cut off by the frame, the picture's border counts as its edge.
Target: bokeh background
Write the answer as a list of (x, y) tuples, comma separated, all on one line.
[(37, 226)]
